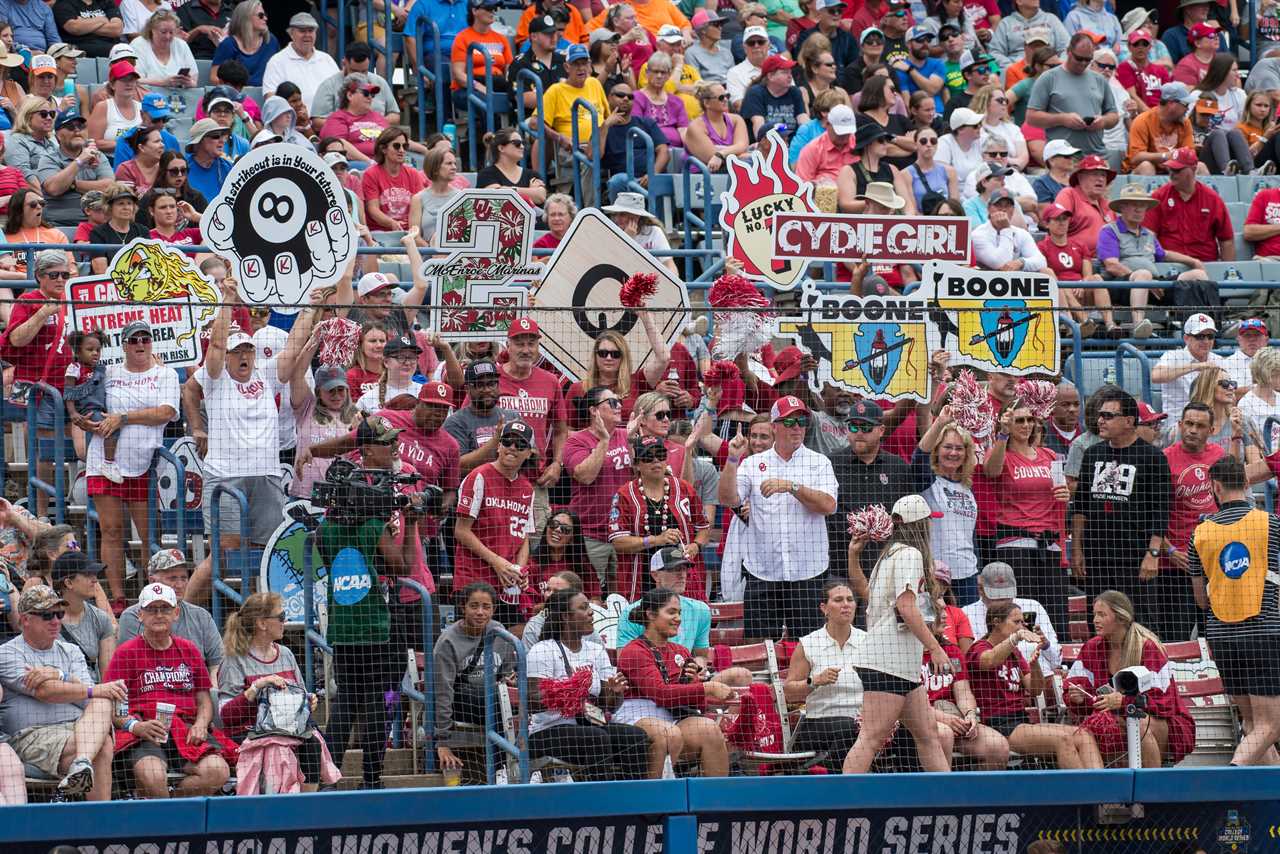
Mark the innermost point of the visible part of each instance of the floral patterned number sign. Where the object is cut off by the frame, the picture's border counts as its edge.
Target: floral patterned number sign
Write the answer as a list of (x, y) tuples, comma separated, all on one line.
[(483, 278)]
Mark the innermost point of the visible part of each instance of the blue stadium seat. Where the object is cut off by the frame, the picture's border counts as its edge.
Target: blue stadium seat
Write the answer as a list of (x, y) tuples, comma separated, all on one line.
[(202, 71), (1251, 184), (1249, 271), (1238, 211), (87, 70), (1225, 186)]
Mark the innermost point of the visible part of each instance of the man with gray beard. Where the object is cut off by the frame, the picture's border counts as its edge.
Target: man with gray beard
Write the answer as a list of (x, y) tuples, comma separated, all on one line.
[(73, 170)]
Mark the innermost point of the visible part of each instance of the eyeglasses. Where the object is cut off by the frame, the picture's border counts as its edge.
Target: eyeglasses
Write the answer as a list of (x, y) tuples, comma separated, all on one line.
[(176, 170), (1083, 60), (57, 274), (562, 527), (515, 444), (407, 358), (138, 340), (662, 414), (1107, 416), (656, 456), (1006, 100), (1205, 336), (279, 616), (35, 204), (756, 42), (157, 610), (46, 114), (609, 354), (368, 91), (611, 402), (398, 146), (860, 427), (1026, 419), (723, 96), (997, 154), (1229, 385), (516, 141), (49, 616), (626, 96), (794, 421), (928, 140), (827, 64), (1106, 66), (262, 15)]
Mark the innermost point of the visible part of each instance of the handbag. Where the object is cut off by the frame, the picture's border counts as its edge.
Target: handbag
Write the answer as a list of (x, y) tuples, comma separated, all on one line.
[(677, 712), (282, 711), (932, 198), (19, 393)]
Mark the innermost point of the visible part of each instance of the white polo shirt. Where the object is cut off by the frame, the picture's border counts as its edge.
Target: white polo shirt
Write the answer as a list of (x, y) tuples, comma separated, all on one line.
[(306, 74), (1176, 393), (785, 541)]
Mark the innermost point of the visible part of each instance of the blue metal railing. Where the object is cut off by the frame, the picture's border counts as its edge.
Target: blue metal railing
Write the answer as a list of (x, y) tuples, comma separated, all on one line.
[(633, 184), (427, 696), (710, 218), (490, 102), (36, 451), (493, 739), (220, 587), (436, 74), (591, 160), (153, 506), (1123, 352), (312, 637), (526, 127), (386, 45)]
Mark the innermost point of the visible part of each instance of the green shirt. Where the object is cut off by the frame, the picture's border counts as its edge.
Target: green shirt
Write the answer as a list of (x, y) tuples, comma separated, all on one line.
[(791, 7), (357, 600)]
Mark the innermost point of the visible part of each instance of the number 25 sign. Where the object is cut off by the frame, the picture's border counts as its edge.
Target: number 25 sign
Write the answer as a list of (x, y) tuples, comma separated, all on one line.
[(478, 286)]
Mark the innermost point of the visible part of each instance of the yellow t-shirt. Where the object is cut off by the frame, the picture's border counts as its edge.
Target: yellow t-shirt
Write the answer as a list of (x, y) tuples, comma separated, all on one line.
[(689, 76), (557, 107)]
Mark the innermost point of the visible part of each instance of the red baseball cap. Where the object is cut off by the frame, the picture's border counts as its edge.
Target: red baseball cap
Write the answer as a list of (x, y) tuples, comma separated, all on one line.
[(1092, 163), (786, 365), (775, 62), (1053, 211), (1147, 415), (1140, 36), (523, 326), (436, 393), (1203, 31), (785, 406), (1183, 158)]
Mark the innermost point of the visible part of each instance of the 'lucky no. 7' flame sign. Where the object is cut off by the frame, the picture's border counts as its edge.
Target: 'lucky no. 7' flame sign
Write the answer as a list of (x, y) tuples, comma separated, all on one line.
[(760, 188), (485, 277)]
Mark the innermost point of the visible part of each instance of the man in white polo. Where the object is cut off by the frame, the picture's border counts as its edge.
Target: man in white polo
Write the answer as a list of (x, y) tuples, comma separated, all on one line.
[(789, 491), (300, 63), (1178, 369)]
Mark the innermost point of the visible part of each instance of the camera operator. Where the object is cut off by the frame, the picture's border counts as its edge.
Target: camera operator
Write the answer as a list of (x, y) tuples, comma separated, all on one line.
[(495, 518), (361, 540)]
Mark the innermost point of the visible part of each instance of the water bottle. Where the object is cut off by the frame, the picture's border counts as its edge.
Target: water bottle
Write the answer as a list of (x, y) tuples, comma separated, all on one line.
[(451, 130), (69, 86)]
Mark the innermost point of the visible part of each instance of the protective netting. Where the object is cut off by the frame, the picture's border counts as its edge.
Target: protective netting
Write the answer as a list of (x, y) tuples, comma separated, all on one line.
[(678, 564)]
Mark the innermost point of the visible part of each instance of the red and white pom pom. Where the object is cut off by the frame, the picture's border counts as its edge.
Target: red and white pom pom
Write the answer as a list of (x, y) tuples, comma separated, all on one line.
[(739, 329), (566, 696), (638, 288), (339, 338), (872, 522), (721, 372), (969, 404), (1039, 396)]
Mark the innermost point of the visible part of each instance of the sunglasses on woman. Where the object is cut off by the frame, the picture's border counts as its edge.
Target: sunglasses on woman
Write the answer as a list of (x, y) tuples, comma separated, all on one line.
[(515, 444), (562, 527), (656, 456), (609, 354)]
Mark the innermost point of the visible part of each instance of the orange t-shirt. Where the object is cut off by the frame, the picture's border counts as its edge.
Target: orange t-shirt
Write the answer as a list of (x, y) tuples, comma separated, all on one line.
[(1015, 73), (1147, 134), (651, 15), (496, 45), (575, 32)]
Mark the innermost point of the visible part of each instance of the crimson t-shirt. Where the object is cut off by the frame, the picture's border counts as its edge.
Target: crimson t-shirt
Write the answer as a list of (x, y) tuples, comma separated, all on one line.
[(1146, 81), (360, 381), (1192, 490), (46, 356), (940, 685), (1265, 210), (433, 456), (997, 691), (1026, 493), (503, 514), (540, 402), (174, 675), (393, 194), (592, 501), (1066, 262)]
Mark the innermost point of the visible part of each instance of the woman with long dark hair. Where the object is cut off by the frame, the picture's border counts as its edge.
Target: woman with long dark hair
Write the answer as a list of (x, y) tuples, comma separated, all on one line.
[(580, 734), (1121, 642), (663, 697), (900, 603), (1003, 681), (172, 175), (26, 224), (562, 547)]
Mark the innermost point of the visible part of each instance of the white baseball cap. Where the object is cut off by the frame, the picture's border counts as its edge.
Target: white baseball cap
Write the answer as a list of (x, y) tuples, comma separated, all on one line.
[(752, 32), (964, 117), (122, 51), (374, 281), (157, 592), (239, 339), (1059, 148), (842, 119), (1198, 323), (913, 508)]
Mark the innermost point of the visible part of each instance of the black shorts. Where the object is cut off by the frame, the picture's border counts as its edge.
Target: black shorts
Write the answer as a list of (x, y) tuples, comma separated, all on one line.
[(874, 680), (1006, 724), (1249, 666), (168, 752)]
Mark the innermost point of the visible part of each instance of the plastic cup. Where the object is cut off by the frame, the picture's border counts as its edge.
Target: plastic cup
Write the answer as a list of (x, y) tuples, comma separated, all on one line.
[(453, 776), (164, 714)]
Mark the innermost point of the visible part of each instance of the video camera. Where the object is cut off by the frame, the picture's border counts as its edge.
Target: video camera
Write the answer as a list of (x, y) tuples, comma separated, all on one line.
[(351, 495), (1133, 681)]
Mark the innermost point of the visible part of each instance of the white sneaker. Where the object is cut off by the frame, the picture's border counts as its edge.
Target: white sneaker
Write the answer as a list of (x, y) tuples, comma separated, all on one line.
[(79, 778), (1143, 329), (111, 471)]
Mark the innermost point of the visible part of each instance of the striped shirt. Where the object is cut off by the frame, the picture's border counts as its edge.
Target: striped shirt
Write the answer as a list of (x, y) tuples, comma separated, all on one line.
[(1267, 621)]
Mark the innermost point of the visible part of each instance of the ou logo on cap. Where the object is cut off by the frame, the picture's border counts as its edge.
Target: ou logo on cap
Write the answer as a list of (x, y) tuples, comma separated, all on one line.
[(524, 324), (1233, 560), (793, 401), (442, 389), (156, 589)]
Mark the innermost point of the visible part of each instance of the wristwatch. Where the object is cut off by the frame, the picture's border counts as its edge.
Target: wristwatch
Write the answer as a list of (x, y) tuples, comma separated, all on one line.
[(794, 488), (1153, 552)]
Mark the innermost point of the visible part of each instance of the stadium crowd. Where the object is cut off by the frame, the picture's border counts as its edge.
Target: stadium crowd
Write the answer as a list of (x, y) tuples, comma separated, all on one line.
[(916, 570)]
